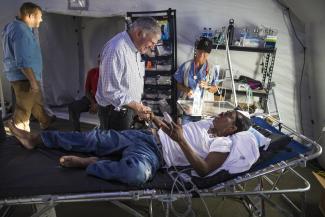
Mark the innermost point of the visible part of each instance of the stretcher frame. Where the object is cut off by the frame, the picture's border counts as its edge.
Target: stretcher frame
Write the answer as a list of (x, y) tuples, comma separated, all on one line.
[(234, 188)]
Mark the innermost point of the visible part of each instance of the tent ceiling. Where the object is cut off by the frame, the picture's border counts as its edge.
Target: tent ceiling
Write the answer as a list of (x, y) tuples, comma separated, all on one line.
[(307, 11)]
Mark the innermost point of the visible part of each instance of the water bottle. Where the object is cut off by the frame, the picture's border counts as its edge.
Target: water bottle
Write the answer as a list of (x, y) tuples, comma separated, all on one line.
[(197, 101), (243, 35), (231, 30), (216, 36), (210, 35), (204, 33)]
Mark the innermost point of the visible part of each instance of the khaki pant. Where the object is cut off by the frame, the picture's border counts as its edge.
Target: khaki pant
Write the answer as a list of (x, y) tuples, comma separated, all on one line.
[(27, 103)]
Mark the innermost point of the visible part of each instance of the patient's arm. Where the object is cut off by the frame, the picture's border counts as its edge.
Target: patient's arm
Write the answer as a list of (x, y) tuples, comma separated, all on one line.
[(202, 166), (157, 121)]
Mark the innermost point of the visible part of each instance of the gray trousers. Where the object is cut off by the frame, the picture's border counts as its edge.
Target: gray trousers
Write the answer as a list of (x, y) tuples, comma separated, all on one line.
[(75, 109)]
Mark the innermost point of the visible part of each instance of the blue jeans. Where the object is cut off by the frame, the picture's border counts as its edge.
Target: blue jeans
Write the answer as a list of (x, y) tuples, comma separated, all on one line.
[(140, 154)]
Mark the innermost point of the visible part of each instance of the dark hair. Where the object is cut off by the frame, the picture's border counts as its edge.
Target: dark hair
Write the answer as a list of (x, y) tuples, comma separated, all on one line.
[(204, 44), (242, 122), (28, 8)]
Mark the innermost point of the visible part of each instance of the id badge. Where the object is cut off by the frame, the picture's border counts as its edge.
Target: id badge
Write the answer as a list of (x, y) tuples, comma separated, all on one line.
[(195, 77)]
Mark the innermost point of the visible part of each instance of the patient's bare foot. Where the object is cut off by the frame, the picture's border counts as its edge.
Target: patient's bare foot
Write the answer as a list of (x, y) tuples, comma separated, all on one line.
[(27, 139), (75, 161)]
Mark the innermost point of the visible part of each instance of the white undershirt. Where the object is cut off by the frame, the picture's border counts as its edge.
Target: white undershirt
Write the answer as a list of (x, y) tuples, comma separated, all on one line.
[(196, 135), (242, 146)]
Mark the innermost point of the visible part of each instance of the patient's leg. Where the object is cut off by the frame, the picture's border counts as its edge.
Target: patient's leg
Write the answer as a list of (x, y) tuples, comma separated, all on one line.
[(27, 139), (75, 161)]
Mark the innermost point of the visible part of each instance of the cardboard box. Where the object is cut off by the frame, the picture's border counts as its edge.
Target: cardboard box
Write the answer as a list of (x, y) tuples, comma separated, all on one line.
[(321, 204)]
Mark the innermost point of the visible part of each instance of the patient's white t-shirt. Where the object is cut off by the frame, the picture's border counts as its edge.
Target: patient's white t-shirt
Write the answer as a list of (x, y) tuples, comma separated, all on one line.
[(196, 134)]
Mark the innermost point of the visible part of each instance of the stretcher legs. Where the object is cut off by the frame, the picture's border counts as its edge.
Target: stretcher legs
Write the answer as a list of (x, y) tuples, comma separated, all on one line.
[(45, 210)]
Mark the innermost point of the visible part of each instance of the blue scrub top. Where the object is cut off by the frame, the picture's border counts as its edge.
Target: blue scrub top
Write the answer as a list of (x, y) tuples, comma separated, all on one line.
[(21, 49), (201, 75)]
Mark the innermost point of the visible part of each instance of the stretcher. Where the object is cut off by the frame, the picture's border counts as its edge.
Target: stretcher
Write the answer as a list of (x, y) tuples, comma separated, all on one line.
[(35, 177)]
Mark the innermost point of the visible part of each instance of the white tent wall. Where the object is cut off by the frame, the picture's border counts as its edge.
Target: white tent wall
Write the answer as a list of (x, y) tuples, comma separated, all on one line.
[(70, 47), (96, 32), (59, 41), (192, 16), (317, 54), (314, 18)]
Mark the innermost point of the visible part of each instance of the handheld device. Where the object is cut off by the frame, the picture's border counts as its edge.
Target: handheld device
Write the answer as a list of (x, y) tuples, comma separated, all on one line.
[(167, 117)]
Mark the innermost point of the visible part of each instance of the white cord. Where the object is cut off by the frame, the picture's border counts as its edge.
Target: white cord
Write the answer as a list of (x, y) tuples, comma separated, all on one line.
[(187, 193), (320, 136), (194, 188), (176, 180), (203, 201)]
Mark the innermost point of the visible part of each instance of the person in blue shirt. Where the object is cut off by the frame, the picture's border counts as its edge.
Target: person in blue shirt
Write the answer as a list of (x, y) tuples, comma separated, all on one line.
[(197, 72), (23, 66)]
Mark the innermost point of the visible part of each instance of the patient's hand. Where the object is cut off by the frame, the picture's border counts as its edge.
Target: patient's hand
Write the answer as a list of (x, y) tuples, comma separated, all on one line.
[(143, 112), (159, 123), (174, 131)]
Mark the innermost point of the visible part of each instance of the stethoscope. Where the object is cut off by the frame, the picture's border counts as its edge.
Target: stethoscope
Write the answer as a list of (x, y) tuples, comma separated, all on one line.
[(206, 70)]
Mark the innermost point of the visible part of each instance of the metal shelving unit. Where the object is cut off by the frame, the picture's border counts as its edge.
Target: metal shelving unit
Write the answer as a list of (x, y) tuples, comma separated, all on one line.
[(267, 70)]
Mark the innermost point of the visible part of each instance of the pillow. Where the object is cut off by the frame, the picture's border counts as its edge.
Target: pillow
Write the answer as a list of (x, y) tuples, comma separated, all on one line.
[(261, 139), (243, 154)]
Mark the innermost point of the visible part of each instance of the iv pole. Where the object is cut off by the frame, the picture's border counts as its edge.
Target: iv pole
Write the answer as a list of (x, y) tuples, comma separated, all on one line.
[(230, 68)]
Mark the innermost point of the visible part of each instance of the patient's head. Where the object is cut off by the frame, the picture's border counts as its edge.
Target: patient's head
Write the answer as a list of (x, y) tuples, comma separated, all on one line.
[(230, 122)]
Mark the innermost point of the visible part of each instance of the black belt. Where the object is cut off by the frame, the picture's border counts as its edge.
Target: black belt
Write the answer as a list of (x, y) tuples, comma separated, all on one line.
[(112, 108), (159, 147)]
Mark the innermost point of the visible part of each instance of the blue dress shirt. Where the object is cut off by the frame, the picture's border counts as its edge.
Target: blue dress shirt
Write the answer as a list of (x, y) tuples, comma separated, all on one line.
[(21, 49)]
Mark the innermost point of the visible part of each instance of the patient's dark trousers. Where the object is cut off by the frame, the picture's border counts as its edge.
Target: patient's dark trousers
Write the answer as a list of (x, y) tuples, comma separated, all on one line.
[(140, 153)]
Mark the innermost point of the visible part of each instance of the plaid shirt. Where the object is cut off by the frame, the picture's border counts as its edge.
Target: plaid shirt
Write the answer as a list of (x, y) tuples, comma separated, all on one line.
[(121, 73)]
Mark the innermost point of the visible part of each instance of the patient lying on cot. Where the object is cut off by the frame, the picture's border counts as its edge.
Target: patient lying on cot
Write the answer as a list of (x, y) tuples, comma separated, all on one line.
[(206, 145)]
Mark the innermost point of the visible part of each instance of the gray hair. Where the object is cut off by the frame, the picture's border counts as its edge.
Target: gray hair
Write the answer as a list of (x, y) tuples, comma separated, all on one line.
[(147, 25)]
